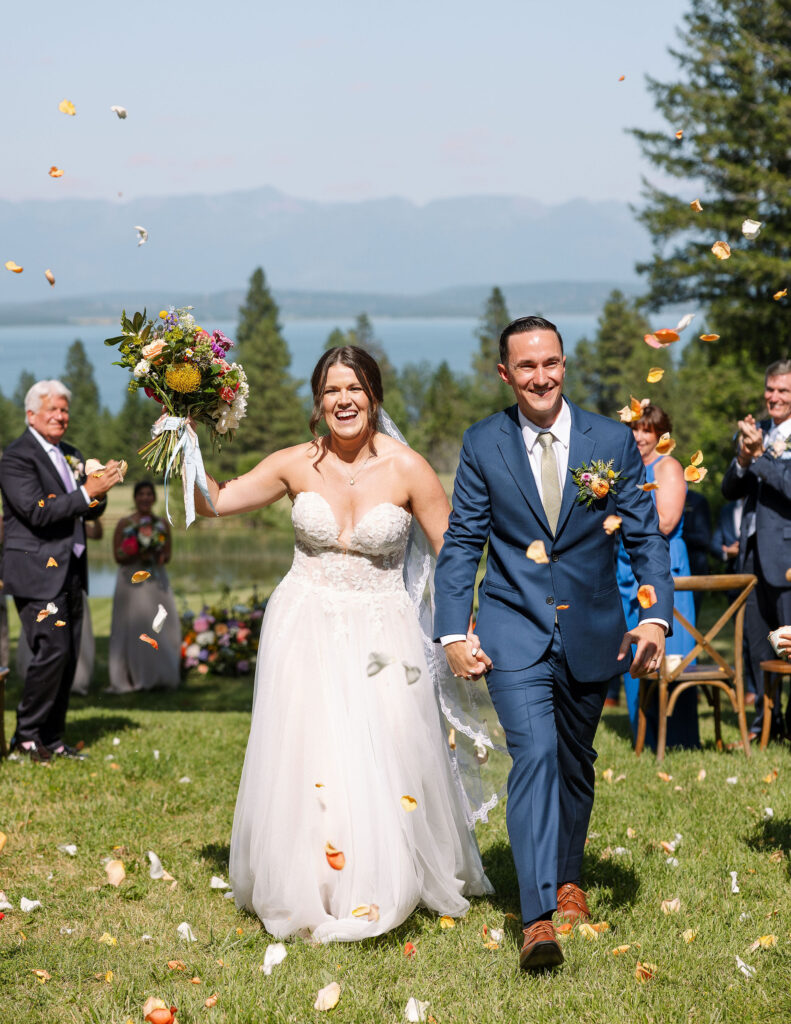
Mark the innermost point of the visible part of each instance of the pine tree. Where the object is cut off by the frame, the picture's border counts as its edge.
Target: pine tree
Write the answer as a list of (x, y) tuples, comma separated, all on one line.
[(132, 428), (275, 413), (24, 384), (732, 103), (604, 372), (84, 407), (489, 393), (445, 419)]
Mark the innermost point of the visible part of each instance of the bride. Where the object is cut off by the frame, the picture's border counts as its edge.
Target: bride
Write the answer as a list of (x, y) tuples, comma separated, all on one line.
[(348, 815)]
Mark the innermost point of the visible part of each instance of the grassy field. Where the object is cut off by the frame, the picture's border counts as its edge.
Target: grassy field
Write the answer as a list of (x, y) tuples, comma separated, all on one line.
[(107, 948)]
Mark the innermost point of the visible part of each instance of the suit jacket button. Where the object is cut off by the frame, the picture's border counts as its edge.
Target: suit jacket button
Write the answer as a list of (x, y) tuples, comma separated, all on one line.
[(555, 557), (550, 599)]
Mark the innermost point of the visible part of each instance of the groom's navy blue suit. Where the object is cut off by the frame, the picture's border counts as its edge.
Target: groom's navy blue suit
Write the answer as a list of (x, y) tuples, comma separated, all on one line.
[(553, 631)]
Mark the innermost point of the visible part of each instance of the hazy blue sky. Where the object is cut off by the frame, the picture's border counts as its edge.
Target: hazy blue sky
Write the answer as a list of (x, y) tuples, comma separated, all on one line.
[(331, 99)]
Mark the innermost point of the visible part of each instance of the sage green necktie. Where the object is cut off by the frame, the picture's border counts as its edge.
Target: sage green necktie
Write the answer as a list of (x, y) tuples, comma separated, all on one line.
[(550, 482)]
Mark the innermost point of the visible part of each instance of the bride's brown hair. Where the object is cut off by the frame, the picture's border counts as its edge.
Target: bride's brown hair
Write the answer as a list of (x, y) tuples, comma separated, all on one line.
[(365, 368)]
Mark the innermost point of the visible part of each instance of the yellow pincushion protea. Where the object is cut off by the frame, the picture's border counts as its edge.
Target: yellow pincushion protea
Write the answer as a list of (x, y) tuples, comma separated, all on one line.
[(183, 377)]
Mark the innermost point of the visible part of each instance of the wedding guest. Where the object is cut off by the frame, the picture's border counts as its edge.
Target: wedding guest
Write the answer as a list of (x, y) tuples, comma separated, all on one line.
[(670, 499), (46, 500), (696, 534), (761, 475), (4, 646), (142, 547)]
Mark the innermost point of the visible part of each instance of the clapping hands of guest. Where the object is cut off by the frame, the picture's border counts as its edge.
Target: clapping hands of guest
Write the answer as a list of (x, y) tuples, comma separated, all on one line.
[(751, 441)]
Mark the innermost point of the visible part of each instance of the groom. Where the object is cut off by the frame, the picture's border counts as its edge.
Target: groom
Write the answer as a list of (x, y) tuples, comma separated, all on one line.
[(551, 629)]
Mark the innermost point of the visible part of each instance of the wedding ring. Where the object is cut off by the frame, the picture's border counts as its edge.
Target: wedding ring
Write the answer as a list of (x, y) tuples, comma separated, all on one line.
[(474, 651)]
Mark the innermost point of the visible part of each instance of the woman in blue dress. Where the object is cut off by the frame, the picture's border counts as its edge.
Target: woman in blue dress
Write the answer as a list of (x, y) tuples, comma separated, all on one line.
[(669, 498)]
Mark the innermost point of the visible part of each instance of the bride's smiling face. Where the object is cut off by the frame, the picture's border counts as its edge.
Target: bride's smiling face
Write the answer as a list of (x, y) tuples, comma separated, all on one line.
[(345, 404)]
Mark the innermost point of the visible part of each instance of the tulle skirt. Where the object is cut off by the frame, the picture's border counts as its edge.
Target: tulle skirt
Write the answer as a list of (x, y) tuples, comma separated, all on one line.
[(347, 753)]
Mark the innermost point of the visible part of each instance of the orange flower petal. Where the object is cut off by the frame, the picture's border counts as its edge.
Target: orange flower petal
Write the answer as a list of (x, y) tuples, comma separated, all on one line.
[(41, 503), (666, 336), (696, 205), (335, 858), (611, 524), (408, 802), (776, 296), (562, 607), (620, 950), (622, 78), (564, 929), (149, 640), (93, 503), (721, 250), (51, 563), (665, 445), (709, 337), (680, 133), (664, 776), (211, 1001), (13, 267), (646, 596), (694, 475), (645, 972), (55, 172), (648, 487), (52, 495), (59, 622), (446, 922), (409, 950), (176, 965), (50, 277), (537, 552), (67, 107), (697, 458), (141, 576), (655, 374)]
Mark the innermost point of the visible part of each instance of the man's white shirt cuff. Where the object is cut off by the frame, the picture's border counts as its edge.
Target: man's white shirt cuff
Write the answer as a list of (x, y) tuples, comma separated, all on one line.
[(658, 622), (452, 638), (88, 498)]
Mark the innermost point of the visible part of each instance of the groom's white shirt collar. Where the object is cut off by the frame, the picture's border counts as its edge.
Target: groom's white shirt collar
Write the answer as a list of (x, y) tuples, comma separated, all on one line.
[(560, 429)]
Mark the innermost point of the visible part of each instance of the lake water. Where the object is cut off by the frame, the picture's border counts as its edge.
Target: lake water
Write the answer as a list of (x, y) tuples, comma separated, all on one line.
[(42, 350)]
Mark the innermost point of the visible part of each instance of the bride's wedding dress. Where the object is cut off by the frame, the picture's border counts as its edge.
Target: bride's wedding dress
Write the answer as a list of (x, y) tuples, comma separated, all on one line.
[(347, 748)]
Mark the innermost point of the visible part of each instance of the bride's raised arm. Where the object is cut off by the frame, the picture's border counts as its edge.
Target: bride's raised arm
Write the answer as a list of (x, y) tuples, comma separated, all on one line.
[(264, 484), (427, 499)]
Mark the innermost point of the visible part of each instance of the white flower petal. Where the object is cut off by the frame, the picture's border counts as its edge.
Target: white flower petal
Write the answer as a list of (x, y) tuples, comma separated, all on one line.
[(684, 322), (275, 954), (186, 932), (751, 229), (747, 971), (217, 883), (159, 619), (328, 996), (734, 883), (156, 870), (27, 906), (415, 1010)]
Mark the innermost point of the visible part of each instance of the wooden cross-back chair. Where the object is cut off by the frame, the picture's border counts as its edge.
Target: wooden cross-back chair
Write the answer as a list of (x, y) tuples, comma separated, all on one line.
[(714, 676)]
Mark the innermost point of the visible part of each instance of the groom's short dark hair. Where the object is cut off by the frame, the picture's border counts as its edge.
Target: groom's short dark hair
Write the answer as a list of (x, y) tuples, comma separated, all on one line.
[(522, 325)]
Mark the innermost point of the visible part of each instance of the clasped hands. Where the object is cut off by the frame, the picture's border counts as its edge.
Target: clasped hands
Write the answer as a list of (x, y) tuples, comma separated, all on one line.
[(466, 659), (751, 441), (99, 485)]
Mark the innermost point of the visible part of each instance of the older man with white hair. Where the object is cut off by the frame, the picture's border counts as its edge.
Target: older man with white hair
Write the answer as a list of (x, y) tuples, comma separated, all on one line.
[(46, 500)]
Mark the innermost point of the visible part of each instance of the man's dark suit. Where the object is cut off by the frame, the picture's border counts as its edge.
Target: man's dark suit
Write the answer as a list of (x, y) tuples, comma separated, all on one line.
[(43, 522), (766, 487)]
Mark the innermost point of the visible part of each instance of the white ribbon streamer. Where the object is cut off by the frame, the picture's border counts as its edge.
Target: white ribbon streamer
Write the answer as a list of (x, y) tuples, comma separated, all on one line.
[(192, 469)]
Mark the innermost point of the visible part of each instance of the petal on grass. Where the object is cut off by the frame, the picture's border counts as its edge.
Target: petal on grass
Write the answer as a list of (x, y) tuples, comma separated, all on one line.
[(328, 997), (645, 972), (275, 954), (671, 906), (186, 932), (415, 1010), (115, 871)]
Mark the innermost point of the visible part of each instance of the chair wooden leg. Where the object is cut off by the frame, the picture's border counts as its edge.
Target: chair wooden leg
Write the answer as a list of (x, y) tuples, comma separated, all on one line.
[(3, 747), (717, 717), (642, 722), (768, 706), (661, 732)]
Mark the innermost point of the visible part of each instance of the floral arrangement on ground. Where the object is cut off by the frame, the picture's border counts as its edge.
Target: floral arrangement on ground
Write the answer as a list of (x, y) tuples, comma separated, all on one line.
[(222, 639)]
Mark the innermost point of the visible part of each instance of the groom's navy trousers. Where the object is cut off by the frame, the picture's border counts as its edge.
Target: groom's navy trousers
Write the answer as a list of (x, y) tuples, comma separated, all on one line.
[(550, 721)]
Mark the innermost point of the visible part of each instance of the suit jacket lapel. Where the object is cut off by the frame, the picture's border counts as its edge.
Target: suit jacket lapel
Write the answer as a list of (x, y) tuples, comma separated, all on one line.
[(45, 461), (512, 449), (581, 446)]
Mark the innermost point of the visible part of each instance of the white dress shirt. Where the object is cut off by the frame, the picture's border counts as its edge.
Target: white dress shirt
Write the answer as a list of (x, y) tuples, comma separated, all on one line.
[(561, 432), (778, 432), (51, 450)]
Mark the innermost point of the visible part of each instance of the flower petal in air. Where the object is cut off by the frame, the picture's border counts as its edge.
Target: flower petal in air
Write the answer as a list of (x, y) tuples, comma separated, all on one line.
[(60, 623), (50, 277), (120, 111), (751, 229), (335, 858), (149, 640), (721, 250), (13, 267), (328, 997), (141, 576), (693, 474), (159, 619), (408, 802), (611, 524), (67, 107), (537, 552), (621, 78), (452, 733), (646, 596), (665, 445), (684, 322), (651, 339), (777, 295), (648, 487), (55, 172), (680, 134), (709, 337), (696, 205), (666, 336), (655, 374)]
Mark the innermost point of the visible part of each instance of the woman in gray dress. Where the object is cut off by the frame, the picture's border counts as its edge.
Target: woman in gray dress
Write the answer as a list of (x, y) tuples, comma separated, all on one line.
[(141, 547)]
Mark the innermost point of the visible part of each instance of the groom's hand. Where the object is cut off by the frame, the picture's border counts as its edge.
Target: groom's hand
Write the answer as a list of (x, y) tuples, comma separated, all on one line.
[(463, 662), (650, 640)]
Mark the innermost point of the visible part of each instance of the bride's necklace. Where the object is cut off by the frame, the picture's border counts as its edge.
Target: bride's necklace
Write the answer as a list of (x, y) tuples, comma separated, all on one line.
[(357, 470)]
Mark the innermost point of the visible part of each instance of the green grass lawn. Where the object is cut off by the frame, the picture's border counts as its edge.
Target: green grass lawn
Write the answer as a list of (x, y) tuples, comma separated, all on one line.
[(123, 802)]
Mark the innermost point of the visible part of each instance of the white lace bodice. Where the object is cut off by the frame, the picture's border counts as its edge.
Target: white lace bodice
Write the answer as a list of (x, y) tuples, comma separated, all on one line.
[(374, 558)]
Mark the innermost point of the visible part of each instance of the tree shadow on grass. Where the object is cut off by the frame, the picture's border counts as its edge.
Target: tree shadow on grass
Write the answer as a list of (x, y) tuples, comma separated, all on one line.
[(771, 836), (617, 722), (92, 728), (618, 881)]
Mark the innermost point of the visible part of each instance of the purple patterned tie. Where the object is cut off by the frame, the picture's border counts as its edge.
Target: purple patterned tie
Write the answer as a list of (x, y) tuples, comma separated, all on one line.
[(70, 484)]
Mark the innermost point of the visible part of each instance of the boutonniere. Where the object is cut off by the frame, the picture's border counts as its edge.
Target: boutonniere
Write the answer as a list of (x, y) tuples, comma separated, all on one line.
[(77, 468), (596, 480), (779, 448)]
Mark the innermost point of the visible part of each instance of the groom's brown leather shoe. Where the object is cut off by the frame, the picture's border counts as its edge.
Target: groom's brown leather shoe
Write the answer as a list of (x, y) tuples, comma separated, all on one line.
[(572, 904), (540, 949)]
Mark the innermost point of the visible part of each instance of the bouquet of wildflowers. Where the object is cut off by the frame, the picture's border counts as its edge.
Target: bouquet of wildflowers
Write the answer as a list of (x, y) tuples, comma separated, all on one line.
[(146, 536), (185, 369)]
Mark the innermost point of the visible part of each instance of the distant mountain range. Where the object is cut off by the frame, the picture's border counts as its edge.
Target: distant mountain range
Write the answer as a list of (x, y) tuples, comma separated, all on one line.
[(389, 256), (557, 296)]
